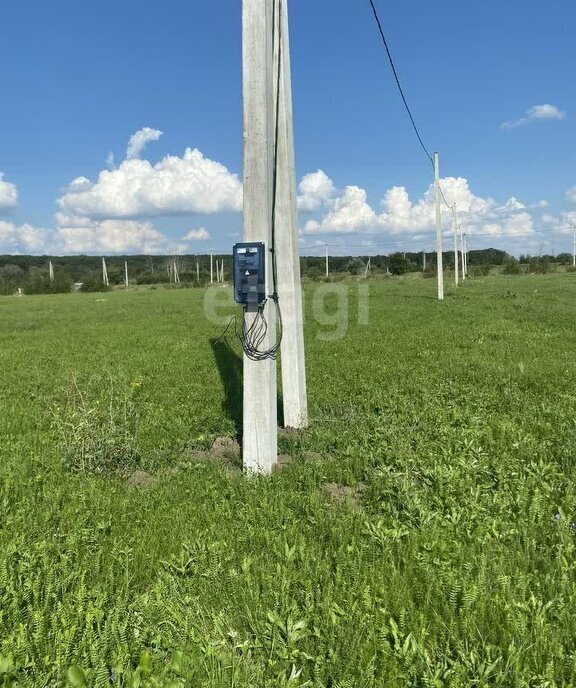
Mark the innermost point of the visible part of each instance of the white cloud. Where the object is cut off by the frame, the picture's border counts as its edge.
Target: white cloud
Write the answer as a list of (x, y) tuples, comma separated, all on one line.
[(188, 185), (197, 235), (316, 191), (351, 213), (8, 194), (22, 238), (571, 194), (110, 236), (85, 237), (535, 113), (140, 140)]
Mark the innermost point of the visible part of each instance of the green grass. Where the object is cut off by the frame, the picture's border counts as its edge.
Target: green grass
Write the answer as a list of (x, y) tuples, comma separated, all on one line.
[(457, 422)]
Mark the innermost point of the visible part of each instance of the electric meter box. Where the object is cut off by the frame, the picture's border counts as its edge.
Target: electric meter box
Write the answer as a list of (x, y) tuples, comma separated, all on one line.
[(250, 273)]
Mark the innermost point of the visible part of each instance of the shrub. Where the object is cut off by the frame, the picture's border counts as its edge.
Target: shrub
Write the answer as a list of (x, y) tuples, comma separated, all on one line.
[(479, 270), (356, 267), (153, 278), (39, 282), (570, 268), (511, 267), (399, 264), (540, 266), (93, 283), (314, 273)]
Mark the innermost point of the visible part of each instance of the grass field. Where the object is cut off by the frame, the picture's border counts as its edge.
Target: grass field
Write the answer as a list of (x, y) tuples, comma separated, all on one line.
[(448, 561)]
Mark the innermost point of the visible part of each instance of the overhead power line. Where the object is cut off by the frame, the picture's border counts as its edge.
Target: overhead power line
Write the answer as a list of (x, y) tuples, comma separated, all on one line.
[(397, 78)]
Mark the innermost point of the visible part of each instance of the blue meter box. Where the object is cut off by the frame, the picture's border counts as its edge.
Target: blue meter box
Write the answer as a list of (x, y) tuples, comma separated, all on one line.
[(250, 273)]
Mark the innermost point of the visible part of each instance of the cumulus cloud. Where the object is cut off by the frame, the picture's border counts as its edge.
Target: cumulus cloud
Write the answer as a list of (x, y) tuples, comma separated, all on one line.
[(8, 194), (22, 238), (140, 140), (109, 237), (351, 213), (534, 114), (316, 191), (82, 236), (571, 194), (197, 235), (187, 185)]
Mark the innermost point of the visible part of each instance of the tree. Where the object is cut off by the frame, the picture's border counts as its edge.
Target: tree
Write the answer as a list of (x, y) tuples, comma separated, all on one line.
[(399, 264)]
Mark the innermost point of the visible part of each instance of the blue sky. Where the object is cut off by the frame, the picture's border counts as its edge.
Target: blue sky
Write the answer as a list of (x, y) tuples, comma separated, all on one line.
[(78, 80)]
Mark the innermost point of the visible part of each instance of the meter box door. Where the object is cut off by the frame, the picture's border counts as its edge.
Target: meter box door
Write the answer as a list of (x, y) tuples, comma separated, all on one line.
[(250, 273)]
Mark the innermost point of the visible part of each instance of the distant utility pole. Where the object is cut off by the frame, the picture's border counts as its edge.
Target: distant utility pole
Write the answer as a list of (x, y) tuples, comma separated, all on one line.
[(222, 271), (423, 261), (176, 274), (462, 257), (456, 258), (211, 268), (465, 253), (198, 271), (574, 247), (105, 273), (439, 261), (51, 271), (327, 266), (260, 429), (126, 273), (367, 271)]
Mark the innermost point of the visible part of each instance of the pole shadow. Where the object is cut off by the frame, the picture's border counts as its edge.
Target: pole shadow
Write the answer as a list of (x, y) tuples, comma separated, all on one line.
[(230, 366), (230, 369)]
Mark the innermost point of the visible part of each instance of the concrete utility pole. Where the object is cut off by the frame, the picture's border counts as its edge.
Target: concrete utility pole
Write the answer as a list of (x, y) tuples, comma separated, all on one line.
[(126, 273), (456, 259), (211, 268), (50, 271), (198, 271), (327, 266), (294, 393), (260, 430), (423, 261), (105, 273), (462, 258), (465, 252), (574, 247), (439, 260)]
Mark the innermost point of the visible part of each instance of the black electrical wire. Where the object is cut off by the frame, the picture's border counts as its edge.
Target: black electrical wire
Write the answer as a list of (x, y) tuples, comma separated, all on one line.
[(396, 77)]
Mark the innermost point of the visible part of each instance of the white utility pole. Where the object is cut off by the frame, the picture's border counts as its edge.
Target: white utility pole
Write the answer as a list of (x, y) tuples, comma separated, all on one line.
[(211, 268), (574, 247), (198, 271), (465, 253), (368, 266), (423, 261), (105, 273), (327, 266), (126, 273), (456, 259), (294, 393), (51, 271), (462, 257), (260, 429), (222, 271), (439, 261)]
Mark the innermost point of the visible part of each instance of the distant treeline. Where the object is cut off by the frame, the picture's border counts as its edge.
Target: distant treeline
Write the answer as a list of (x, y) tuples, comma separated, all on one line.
[(31, 273)]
